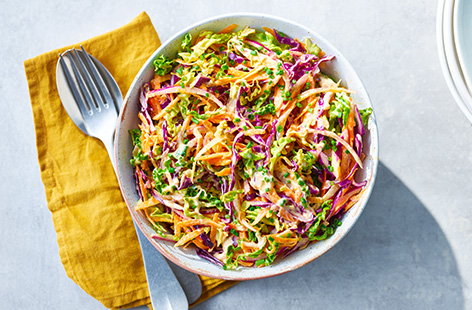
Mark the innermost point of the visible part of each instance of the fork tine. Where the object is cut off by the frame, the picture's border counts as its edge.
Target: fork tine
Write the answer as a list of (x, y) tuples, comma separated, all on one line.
[(84, 110), (73, 87), (83, 89), (97, 78), (97, 100)]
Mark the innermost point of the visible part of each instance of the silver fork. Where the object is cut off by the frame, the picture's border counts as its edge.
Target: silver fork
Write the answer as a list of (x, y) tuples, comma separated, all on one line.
[(92, 99), (98, 110)]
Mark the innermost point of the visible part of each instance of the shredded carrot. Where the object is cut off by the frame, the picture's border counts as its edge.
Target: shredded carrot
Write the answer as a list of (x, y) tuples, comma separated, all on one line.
[(188, 237), (199, 243), (269, 30), (215, 156), (223, 172), (166, 109), (228, 29)]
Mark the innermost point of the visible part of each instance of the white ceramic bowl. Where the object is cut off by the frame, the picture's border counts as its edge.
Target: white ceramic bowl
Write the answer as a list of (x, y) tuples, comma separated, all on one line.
[(186, 258), (454, 46)]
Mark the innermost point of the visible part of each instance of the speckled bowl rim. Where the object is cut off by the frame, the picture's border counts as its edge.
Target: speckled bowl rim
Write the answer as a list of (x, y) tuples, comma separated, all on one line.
[(245, 273)]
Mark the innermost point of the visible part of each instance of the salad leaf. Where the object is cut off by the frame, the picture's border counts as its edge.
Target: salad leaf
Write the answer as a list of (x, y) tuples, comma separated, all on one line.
[(261, 107), (318, 223), (200, 197), (163, 65), (159, 178), (231, 195), (268, 108), (268, 40), (276, 150), (305, 160), (365, 114), (311, 48), (138, 158), (209, 38), (186, 42), (339, 109), (136, 137)]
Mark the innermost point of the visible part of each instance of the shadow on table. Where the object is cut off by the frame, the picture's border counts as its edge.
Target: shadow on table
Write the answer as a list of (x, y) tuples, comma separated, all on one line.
[(395, 257)]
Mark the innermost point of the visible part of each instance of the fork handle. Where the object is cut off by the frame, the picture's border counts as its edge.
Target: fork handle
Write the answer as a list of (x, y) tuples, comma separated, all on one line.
[(109, 145), (165, 290)]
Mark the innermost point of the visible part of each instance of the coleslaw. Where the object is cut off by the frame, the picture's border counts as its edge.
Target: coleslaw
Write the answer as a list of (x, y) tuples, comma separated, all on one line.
[(245, 148)]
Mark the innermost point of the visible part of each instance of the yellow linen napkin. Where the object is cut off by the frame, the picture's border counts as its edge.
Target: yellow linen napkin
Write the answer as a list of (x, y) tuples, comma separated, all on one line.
[(97, 243)]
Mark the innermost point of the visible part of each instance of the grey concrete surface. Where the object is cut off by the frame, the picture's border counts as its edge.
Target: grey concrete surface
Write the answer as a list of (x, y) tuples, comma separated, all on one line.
[(411, 249)]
